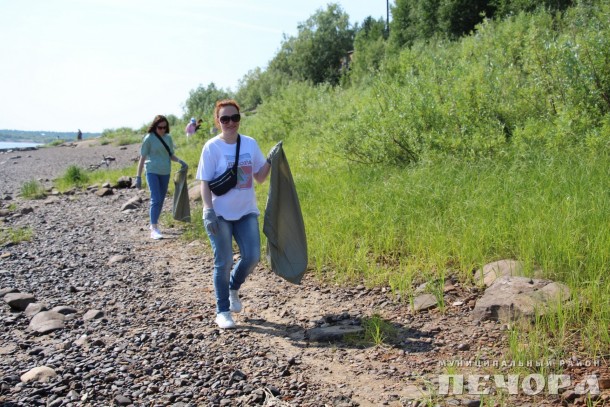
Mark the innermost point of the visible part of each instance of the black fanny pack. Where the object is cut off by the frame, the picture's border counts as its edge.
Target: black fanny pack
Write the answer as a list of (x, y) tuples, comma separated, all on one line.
[(228, 179)]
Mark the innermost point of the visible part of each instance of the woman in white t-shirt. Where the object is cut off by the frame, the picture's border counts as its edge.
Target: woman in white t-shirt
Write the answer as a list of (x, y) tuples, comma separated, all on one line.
[(234, 214)]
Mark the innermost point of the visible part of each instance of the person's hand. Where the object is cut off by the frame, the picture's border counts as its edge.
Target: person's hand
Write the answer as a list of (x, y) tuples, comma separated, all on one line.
[(274, 150), (210, 221), (183, 164), (138, 182)]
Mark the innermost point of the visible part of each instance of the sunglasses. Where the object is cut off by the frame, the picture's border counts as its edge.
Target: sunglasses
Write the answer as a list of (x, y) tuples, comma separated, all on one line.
[(225, 119), (162, 127)]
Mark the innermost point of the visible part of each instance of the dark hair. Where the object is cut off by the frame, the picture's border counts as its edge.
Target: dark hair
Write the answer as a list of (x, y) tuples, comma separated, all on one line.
[(223, 103), (158, 119)]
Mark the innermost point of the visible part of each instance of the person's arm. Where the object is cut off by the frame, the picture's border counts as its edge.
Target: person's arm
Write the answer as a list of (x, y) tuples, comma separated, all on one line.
[(177, 160), (262, 174), (140, 166), (206, 195)]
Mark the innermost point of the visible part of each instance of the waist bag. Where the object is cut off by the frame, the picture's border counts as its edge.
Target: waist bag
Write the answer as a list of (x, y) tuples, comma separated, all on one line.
[(228, 179)]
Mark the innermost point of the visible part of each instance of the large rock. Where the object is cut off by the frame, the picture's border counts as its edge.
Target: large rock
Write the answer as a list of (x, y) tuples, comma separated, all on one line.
[(93, 314), (133, 203), (195, 192), (39, 374), (511, 298), (424, 302), (8, 290), (19, 301), (104, 191), (64, 310), (502, 268), (34, 308), (47, 321)]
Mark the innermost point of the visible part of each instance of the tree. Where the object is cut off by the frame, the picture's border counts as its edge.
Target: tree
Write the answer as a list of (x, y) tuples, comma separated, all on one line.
[(201, 101), (369, 49), (315, 53), (460, 17), (257, 85)]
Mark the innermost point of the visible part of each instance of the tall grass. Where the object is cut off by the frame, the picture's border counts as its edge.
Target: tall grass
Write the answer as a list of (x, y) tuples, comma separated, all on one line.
[(32, 190), (401, 227)]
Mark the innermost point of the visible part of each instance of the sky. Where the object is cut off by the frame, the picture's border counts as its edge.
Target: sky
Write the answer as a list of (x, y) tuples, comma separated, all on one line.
[(104, 64)]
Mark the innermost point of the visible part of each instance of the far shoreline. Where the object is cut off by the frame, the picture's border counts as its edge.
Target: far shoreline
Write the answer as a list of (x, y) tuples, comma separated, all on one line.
[(6, 146)]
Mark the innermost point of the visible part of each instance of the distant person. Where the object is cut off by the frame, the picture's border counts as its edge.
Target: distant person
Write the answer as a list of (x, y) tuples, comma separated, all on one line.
[(213, 131), (191, 128), (79, 135), (156, 154), (233, 214)]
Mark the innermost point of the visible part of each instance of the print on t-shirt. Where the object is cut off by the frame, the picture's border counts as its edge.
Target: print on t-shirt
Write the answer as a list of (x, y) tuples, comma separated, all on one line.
[(244, 170)]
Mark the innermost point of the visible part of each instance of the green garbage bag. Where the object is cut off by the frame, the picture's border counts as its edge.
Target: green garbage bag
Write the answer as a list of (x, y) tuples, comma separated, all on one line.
[(283, 224), (181, 210)]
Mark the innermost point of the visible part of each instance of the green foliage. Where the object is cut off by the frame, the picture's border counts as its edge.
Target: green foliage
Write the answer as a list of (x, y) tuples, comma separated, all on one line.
[(32, 190), (295, 111), (258, 85), (369, 51), (511, 7), (532, 81), (315, 53), (416, 20), (15, 236), (201, 102)]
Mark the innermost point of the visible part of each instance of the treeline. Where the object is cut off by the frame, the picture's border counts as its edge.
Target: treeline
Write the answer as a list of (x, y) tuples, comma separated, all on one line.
[(42, 137), (467, 78)]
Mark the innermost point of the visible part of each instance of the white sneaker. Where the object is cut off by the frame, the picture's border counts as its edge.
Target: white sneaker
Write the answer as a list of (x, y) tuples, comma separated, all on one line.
[(235, 302), (224, 320), (155, 234)]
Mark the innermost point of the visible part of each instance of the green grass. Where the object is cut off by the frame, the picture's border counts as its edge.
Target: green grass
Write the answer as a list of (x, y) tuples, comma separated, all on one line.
[(54, 143), (32, 190), (74, 176), (15, 235), (400, 227), (377, 330)]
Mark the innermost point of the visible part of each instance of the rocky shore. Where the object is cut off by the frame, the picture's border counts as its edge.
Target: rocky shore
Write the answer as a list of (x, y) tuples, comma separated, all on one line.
[(95, 313)]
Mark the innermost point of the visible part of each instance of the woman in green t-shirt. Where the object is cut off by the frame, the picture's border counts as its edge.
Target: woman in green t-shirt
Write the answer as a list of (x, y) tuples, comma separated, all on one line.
[(156, 154)]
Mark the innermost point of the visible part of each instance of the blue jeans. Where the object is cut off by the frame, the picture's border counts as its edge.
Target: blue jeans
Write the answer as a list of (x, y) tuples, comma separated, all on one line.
[(246, 234), (158, 189)]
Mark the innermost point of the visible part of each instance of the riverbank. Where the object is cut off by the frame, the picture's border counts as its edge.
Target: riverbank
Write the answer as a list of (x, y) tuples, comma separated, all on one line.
[(45, 164)]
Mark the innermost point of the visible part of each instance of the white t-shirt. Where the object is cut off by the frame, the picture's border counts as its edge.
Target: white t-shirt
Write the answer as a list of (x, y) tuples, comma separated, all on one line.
[(216, 157)]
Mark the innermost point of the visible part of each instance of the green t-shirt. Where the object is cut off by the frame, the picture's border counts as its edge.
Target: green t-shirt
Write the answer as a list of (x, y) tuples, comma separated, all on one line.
[(157, 158)]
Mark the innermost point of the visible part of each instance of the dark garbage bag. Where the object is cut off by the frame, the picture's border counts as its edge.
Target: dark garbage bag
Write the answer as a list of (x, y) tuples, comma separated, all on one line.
[(283, 224), (182, 209)]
